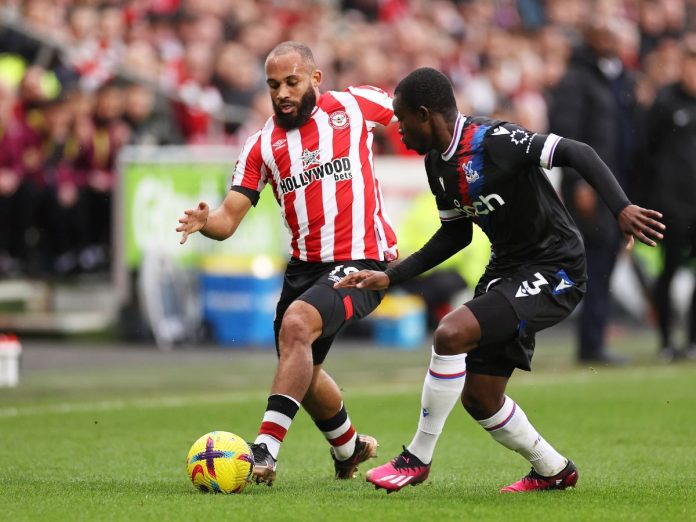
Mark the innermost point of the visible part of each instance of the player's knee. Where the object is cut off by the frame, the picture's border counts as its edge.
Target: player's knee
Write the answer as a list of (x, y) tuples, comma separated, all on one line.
[(451, 339), (474, 404), (479, 404), (295, 330)]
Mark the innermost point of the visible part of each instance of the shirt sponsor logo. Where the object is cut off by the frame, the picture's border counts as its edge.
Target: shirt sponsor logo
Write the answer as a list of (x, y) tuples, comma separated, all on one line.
[(481, 206), (339, 168), (339, 120)]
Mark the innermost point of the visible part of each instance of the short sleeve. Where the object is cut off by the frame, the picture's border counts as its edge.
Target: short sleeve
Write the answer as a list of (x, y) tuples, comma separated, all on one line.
[(513, 147), (250, 171), (375, 104)]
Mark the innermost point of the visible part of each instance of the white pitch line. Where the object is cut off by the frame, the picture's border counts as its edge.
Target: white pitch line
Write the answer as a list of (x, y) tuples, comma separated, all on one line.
[(115, 405), (172, 401)]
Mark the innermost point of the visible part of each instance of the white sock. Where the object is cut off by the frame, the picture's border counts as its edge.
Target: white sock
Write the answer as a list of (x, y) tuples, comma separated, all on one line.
[(280, 412), (512, 429), (271, 443), (340, 433), (442, 388)]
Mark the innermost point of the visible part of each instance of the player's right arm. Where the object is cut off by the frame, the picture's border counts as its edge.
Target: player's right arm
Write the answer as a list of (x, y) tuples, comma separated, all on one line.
[(247, 183), (219, 224), (449, 239)]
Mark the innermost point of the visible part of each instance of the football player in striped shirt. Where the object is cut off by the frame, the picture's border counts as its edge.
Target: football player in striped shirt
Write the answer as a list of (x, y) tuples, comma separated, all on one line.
[(316, 155), (489, 173)]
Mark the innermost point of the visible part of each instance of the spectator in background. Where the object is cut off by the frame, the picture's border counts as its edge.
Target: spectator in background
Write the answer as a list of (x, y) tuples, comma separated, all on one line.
[(31, 92), (67, 221), (140, 61), (32, 143), (82, 37), (594, 103), (671, 128), (168, 47), (199, 100), (659, 19), (54, 196), (99, 142), (149, 122), (14, 218), (98, 56), (238, 79)]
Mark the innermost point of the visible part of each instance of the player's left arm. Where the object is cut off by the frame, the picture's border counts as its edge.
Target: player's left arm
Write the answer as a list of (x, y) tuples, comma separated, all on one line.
[(375, 104), (514, 148), (634, 221)]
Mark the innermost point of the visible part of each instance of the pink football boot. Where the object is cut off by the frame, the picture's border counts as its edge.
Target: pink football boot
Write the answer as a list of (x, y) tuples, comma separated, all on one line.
[(566, 478), (401, 471)]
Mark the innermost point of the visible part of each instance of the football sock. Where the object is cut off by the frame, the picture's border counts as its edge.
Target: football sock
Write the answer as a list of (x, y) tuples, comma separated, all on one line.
[(441, 389), (280, 411), (512, 429), (340, 433)]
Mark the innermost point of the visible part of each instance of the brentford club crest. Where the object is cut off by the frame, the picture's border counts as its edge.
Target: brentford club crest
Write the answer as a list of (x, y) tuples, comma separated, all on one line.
[(339, 120)]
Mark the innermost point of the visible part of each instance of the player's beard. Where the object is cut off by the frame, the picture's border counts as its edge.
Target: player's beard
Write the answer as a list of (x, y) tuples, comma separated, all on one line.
[(304, 111)]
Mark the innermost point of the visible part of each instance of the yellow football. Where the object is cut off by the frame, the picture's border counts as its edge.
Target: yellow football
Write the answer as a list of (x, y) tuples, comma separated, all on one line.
[(220, 462)]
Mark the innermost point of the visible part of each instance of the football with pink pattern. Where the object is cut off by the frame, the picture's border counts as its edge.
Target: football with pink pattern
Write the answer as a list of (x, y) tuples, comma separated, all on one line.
[(220, 462)]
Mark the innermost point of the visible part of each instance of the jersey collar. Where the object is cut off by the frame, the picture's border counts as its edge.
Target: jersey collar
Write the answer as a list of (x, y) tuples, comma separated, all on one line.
[(456, 136)]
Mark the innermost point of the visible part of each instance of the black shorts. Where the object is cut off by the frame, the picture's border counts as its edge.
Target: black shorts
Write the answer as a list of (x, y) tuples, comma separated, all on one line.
[(313, 283), (512, 306)]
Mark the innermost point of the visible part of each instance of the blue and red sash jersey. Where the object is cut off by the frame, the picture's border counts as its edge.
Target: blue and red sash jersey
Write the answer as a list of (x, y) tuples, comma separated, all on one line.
[(492, 175)]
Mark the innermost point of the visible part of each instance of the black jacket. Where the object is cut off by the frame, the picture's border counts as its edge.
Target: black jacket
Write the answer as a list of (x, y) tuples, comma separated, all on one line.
[(588, 106), (671, 140)]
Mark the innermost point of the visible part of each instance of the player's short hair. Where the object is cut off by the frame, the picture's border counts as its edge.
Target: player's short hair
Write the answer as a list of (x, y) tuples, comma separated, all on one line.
[(429, 88), (294, 47)]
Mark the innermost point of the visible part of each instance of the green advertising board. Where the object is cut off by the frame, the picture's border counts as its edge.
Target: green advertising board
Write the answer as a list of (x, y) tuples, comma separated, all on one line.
[(158, 184)]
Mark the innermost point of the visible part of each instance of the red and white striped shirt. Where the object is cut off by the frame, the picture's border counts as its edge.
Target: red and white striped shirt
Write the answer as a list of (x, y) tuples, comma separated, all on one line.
[(323, 177)]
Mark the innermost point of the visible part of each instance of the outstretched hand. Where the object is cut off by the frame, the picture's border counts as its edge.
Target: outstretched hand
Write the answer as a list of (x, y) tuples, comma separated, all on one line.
[(193, 220), (641, 223), (366, 279)]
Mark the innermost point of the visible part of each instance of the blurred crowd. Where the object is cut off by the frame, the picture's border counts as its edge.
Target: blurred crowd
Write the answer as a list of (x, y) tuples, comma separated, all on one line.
[(81, 79)]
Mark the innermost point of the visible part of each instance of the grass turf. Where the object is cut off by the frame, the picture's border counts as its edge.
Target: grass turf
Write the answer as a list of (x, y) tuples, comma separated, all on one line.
[(110, 443)]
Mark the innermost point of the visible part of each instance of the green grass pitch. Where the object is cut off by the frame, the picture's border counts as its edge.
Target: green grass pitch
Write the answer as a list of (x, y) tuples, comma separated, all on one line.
[(110, 443)]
